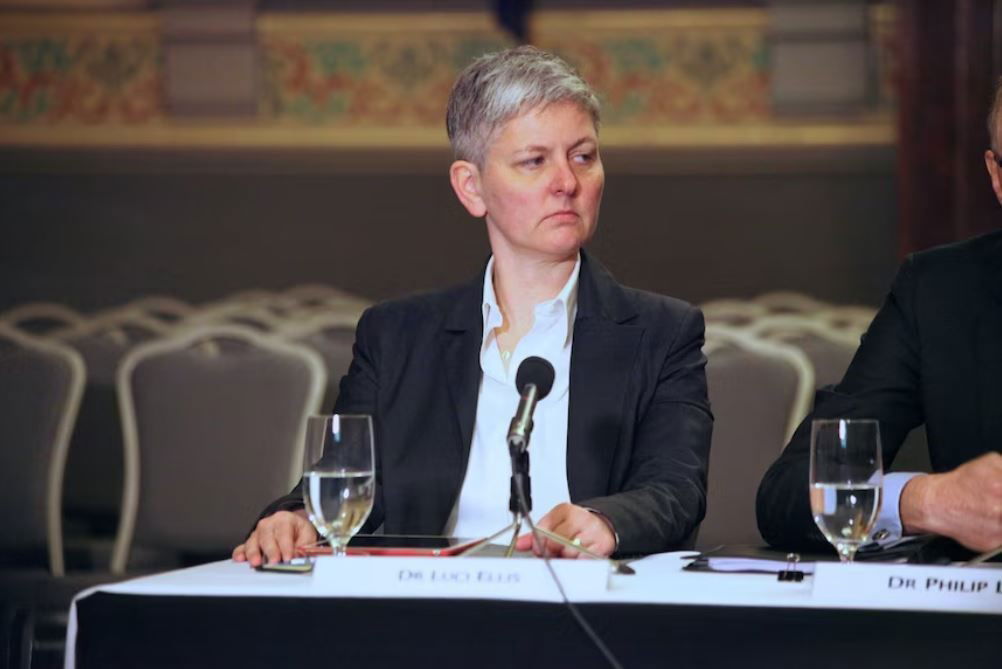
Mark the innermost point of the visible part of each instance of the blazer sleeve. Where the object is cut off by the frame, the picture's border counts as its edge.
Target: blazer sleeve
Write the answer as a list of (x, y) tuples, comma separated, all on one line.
[(663, 498), (357, 394), (882, 382)]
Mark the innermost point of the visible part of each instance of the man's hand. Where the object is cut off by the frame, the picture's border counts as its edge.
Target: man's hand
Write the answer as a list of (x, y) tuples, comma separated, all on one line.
[(964, 504), (276, 538), (574, 523)]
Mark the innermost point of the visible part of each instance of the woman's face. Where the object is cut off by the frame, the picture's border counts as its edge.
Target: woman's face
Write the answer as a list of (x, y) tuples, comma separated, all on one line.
[(541, 183)]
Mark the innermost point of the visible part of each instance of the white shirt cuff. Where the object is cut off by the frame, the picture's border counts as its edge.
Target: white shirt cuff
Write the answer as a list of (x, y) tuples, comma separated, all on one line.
[(888, 528)]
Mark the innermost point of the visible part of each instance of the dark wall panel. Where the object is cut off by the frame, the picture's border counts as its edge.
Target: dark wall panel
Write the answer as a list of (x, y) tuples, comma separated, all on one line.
[(95, 240)]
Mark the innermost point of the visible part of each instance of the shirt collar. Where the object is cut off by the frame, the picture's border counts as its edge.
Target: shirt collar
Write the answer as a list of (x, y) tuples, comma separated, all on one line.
[(564, 303)]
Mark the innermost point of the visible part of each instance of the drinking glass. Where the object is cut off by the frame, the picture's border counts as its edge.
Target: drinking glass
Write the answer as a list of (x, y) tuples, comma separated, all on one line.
[(846, 481), (338, 475)]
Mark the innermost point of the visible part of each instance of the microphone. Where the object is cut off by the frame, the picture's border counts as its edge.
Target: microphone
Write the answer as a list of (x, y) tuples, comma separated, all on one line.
[(534, 380)]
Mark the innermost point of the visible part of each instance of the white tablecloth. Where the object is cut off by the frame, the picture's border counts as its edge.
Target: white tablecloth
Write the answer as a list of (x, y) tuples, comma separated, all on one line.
[(659, 579)]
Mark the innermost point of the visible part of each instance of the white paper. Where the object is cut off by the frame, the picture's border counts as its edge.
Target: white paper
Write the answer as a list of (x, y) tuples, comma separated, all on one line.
[(739, 564)]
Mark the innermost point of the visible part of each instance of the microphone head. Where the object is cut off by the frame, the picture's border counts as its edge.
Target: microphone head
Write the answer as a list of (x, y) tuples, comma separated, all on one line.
[(537, 371)]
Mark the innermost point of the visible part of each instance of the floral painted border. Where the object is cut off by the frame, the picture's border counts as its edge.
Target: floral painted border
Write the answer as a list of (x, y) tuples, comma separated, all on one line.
[(383, 79), (650, 68), (81, 76)]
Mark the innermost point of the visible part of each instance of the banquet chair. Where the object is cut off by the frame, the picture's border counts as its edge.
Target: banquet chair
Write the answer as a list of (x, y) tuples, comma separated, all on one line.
[(213, 422), (92, 491), (315, 292), (332, 335), (759, 391), (41, 318), (254, 315), (732, 312), (317, 298), (850, 318), (164, 308), (829, 349), (41, 383), (789, 302)]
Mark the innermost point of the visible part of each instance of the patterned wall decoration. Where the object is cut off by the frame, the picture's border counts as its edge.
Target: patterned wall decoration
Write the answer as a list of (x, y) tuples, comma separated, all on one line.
[(650, 67), (338, 79), (90, 72), (669, 68), (375, 71)]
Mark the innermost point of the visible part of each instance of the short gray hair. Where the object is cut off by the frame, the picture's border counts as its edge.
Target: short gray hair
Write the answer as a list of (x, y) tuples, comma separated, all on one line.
[(995, 118), (497, 87)]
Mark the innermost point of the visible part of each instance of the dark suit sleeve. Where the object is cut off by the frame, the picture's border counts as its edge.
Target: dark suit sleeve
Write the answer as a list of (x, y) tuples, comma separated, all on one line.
[(356, 395), (663, 498), (882, 382)]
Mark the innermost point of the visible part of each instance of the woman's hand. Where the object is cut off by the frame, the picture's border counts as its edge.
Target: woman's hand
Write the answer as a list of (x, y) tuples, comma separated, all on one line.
[(276, 538), (575, 523)]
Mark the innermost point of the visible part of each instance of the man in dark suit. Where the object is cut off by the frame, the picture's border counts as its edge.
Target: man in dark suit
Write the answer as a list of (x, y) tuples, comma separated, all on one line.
[(621, 444), (932, 355)]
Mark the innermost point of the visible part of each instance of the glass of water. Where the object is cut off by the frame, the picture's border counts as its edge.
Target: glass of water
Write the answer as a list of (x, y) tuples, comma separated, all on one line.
[(846, 481), (338, 475)]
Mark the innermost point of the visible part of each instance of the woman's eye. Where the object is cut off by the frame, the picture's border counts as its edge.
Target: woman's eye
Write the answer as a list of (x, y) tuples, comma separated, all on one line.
[(535, 161), (584, 158)]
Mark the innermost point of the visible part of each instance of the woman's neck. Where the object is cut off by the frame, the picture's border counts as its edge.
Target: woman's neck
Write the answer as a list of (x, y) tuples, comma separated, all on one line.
[(521, 284)]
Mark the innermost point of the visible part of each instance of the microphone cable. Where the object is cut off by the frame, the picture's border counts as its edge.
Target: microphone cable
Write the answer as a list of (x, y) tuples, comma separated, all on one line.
[(582, 623)]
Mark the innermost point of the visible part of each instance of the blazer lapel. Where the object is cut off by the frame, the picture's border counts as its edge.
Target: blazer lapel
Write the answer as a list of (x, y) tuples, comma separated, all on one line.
[(602, 356), (461, 340)]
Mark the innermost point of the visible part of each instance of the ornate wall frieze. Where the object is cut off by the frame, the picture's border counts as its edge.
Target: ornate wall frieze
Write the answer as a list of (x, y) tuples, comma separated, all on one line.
[(87, 70), (667, 77)]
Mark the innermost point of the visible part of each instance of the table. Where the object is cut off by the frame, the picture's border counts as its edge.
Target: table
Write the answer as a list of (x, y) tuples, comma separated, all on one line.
[(224, 614)]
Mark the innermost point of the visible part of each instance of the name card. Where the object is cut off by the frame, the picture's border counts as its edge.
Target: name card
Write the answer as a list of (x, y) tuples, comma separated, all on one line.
[(909, 587), (525, 579)]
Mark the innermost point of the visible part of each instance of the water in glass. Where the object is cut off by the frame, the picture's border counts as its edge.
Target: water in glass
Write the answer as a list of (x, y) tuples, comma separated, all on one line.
[(846, 481), (338, 475)]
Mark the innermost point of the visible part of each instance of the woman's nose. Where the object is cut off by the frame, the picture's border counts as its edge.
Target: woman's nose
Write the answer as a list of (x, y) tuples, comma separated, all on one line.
[(565, 181)]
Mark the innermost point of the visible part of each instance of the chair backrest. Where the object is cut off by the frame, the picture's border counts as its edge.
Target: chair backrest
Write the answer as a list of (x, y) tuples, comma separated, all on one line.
[(732, 312), (759, 391), (789, 302), (213, 422), (316, 293), (41, 383), (40, 318), (92, 487), (332, 335), (852, 319), (164, 308), (254, 315), (105, 339), (829, 349)]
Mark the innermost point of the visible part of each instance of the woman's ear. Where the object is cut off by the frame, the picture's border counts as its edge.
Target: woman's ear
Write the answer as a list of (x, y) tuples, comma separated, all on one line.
[(465, 179)]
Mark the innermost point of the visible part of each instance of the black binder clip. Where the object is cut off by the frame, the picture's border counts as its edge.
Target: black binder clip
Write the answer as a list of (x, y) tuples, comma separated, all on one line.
[(791, 574)]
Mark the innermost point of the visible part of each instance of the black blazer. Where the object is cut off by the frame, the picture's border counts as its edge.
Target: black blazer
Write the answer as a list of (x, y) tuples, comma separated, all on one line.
[(639, 422), (932, 355)]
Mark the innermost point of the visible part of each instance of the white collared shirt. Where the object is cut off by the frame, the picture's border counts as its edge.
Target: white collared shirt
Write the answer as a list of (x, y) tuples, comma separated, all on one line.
[(482, 506)]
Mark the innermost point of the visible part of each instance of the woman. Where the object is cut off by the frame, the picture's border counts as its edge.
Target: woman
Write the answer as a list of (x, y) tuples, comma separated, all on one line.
[(621, 444)]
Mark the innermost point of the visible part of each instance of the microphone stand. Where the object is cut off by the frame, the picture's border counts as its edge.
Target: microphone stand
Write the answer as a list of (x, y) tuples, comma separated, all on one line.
[(520, 504)]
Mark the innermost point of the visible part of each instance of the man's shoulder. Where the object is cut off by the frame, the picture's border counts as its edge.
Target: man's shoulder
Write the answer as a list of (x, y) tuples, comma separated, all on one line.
[(951, 279), (965, 255)]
